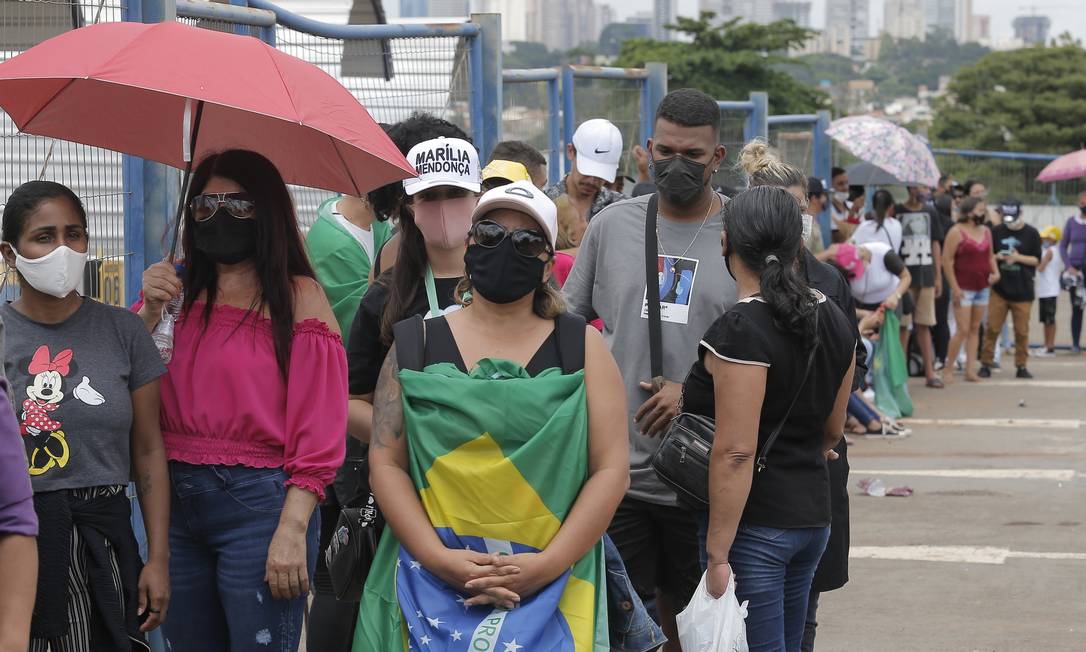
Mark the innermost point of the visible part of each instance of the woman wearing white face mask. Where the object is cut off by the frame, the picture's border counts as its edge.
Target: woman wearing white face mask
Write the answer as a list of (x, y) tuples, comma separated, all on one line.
[(84, 378), (430, 263)]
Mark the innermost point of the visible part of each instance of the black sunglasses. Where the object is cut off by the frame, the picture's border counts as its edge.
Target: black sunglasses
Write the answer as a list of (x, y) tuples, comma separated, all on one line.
[(238, 204), (527, 242)]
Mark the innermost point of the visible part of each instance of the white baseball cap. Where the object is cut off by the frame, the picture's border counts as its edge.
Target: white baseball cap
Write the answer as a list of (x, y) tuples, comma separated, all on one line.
[(521, 196), (599, 147), (443, 162)]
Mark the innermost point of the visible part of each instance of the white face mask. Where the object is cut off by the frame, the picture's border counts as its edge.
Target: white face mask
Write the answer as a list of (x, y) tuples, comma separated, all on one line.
[(840, 196), (808, 225), (56, 273)]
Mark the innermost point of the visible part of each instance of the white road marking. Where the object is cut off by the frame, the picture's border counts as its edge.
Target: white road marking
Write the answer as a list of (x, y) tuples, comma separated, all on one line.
[(1054, 384), (1060, 424), (956, 554), (1058, 475)]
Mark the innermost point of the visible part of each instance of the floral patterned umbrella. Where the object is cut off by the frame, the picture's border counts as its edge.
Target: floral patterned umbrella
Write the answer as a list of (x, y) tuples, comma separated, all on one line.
[(888, 146), (1068, 166)]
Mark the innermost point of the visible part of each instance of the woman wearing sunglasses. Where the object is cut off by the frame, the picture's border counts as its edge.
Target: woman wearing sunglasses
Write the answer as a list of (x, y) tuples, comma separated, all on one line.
[(251, 410), (84, 380), (496, 522)]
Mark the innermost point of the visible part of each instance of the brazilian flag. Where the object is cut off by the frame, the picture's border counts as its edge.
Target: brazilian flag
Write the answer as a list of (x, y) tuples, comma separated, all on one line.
[(891, 371), (498, 458)]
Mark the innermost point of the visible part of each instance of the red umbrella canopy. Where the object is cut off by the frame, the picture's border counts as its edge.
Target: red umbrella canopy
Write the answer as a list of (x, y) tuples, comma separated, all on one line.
[(124, 86)]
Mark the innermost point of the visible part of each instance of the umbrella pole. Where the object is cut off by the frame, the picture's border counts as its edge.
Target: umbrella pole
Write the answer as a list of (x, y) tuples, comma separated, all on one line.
[(185, 182)]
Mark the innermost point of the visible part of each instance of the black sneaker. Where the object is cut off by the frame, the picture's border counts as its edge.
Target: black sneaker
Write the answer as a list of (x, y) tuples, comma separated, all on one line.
[(985, 371), (1023, 373)]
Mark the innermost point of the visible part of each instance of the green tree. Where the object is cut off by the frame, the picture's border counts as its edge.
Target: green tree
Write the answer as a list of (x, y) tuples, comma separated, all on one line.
[(905, 64), (729, 61), (1028, 100), (526, 54)]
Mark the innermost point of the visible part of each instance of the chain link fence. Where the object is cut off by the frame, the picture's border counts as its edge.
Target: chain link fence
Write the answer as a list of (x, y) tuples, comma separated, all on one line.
[(795, 144), (527, 115), (1009, 177), (617, 100), (94, 174), (730, 176)]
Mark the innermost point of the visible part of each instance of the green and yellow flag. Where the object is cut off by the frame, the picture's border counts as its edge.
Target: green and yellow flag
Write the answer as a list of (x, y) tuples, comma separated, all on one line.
[(498, 458)]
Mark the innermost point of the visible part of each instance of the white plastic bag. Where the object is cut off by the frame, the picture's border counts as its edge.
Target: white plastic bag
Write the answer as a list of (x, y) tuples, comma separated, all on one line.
[(713, 624)]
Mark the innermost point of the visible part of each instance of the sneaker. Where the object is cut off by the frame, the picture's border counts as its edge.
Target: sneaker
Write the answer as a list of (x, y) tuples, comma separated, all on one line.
[(1041, 353), (994, 365), (985, 371), (1023, 373), (939, 365)]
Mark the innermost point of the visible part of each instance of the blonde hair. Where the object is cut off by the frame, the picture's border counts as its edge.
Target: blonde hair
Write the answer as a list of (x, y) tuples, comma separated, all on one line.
[(765, 168), (567, 223), (547, 303)]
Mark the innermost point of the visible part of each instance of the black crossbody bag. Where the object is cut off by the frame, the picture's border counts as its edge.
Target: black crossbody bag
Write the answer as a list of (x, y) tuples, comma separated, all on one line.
[(682, 460)]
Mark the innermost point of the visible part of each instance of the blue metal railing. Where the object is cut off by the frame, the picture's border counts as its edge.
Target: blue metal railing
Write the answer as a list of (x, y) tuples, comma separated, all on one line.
[(821, 152)]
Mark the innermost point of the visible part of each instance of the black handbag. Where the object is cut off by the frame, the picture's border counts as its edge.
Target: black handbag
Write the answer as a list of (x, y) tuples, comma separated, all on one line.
[(353, 547), (682, 460)]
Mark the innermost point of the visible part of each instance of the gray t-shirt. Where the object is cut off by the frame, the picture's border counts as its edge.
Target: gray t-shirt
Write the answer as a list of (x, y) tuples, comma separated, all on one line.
[(608, 281), (72, 385)]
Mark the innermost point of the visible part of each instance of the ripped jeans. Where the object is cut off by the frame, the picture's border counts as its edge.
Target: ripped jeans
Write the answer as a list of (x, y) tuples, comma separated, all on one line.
[(222, 519)]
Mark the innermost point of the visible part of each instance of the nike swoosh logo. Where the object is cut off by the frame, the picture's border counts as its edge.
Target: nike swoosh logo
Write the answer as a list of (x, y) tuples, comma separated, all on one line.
[(602, 151)]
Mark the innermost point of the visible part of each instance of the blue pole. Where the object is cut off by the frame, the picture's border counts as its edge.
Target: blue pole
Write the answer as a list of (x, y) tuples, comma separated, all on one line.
[(567, 110), (758, 122), (475, 101), (240, 28), (554, 131), (823, 163), (653, 91), (490, 40)]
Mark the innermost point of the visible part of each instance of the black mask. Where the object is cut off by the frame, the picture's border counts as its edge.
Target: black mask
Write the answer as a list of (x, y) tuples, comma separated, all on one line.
[(225, 239), (979, 219), (679, 180), (500, 274), (1082, 209)]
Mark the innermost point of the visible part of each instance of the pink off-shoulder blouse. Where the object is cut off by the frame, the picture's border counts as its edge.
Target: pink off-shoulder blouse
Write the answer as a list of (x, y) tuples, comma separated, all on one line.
[(224, 400)]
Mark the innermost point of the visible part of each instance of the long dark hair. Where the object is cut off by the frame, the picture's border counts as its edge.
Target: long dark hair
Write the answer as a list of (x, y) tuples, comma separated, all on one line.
[(881, 202), (279, 257), (764, 223), (405, 277)]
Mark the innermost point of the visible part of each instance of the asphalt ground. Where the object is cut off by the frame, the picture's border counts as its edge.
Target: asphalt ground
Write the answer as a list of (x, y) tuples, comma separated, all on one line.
[(989, 553)]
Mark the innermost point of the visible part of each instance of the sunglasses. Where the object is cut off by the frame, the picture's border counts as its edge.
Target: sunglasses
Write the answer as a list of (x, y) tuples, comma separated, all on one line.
[(526, 242), (238, 204)]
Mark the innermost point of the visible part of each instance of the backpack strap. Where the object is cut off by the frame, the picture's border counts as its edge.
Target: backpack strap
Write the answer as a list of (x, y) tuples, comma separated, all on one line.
[(409, 338), (569, 331)]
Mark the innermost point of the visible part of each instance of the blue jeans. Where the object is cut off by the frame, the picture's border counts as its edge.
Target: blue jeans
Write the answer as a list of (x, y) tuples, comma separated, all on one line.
[(859, 409), (630, 627), (773, 570), (222, 519)]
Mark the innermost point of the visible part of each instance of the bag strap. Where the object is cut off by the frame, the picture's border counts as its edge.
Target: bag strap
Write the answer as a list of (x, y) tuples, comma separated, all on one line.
[(569, 334), (759, 464), (409, 338), (652, 293)]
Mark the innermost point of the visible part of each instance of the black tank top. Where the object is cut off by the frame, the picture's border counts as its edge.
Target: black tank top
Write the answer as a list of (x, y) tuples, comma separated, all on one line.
[(441, 347)]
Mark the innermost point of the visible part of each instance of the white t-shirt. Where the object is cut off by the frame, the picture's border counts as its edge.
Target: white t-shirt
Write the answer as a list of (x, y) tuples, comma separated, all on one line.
[(363, 236), (1048, 281), (889, 233), (877, 283)]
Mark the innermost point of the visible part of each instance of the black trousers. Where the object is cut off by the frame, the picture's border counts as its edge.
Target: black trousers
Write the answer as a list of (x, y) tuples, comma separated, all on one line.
[(940, 333)]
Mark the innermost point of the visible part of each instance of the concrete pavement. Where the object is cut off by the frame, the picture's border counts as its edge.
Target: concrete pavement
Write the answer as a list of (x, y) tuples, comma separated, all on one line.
[(990, 552)]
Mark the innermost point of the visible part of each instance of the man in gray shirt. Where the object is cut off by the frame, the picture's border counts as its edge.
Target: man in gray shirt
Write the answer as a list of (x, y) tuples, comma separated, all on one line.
[(655, 534)]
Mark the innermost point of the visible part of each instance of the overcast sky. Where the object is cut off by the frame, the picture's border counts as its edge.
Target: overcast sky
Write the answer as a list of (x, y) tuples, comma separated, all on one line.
[(1063, 13)]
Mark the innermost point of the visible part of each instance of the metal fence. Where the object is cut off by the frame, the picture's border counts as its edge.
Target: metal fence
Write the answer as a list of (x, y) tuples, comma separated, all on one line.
[(532, 112), (626, 96), (1009, 174), (740, 122), (94, 174)]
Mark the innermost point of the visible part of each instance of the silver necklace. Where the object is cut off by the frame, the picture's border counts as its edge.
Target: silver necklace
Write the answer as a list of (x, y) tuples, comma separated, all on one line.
[(660, 241)]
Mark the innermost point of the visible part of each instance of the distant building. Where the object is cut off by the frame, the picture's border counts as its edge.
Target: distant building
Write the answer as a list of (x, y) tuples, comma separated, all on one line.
[(564, 24), (414, 8), (1032, 30), (797, 12), (855, 14), (963, 22), (762, 12), (663, 14), (904, 19), (982, 27), (860, 96), (940, 15)]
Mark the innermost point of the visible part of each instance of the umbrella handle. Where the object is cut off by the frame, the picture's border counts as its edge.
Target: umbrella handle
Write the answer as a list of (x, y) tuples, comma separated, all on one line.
[(190, 154)]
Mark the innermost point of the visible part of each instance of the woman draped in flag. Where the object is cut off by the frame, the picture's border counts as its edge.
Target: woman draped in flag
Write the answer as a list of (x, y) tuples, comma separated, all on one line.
[(498, 458)]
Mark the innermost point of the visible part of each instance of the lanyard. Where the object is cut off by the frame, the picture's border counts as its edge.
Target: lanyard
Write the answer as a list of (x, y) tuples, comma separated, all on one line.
[(431, 293)]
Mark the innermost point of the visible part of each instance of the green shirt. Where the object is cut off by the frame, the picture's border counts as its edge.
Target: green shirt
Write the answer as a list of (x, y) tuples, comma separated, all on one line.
[(342, 266)]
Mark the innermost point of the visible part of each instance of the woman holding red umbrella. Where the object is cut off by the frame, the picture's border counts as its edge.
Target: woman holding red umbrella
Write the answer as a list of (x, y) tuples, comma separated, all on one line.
[(250, 416)]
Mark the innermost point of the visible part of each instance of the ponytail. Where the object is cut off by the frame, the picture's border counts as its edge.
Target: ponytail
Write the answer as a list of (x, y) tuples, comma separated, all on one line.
[(764, 227)]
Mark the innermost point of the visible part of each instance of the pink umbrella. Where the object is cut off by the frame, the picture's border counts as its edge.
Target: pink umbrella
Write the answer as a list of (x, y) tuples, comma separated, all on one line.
[(149, 90), (1068, 166)]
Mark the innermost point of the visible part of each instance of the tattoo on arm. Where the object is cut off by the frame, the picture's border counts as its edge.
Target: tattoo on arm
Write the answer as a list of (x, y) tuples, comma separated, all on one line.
[(387, 405)]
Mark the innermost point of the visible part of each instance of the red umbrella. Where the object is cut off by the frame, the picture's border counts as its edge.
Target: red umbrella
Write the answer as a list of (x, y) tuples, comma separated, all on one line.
[(1068, 166), (148, 90)]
